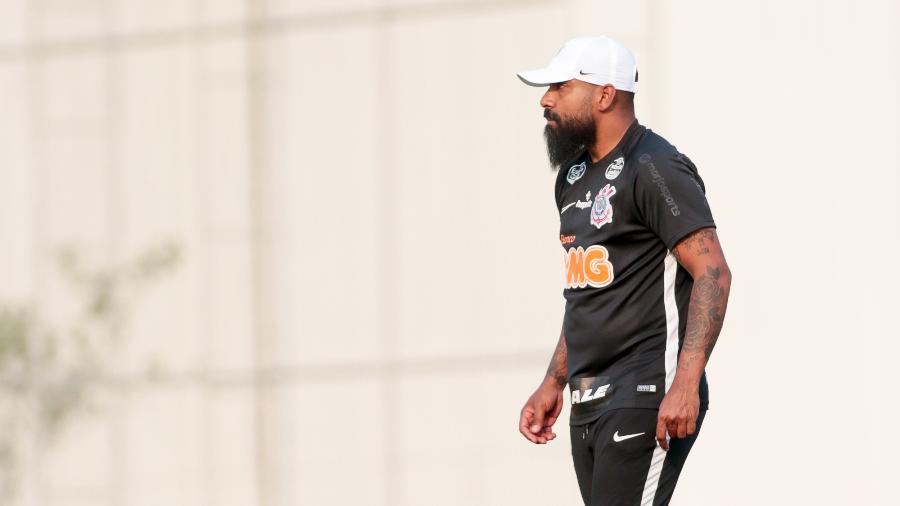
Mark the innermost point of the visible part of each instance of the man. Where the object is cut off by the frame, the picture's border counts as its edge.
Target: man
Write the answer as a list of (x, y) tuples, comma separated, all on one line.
[(646, 283)]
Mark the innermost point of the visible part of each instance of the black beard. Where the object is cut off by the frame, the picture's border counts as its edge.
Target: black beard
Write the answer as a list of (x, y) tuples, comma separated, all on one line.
[(568, 138)]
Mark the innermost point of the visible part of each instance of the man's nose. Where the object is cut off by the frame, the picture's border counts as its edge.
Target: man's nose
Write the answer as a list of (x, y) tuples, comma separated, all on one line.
[(547, 100)]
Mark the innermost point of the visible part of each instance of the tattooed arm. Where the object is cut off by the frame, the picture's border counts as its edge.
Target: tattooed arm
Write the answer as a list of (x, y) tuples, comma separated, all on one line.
[(557, 369), (701, 255), (543, 407)]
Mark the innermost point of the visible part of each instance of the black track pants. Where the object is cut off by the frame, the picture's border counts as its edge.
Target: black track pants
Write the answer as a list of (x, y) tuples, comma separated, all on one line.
[(618, 462)]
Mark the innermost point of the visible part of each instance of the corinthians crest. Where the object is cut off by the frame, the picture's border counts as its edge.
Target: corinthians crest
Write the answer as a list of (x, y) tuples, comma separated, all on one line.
[(602, 211)]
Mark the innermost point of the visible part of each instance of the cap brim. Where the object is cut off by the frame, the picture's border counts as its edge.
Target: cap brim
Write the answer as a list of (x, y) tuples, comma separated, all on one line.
[(544, 77)]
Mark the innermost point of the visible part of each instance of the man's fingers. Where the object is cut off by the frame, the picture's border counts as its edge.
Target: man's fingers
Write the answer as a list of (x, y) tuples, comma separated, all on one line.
[(680, 427), (538, 422), (672, 428), (661, 434), (547, 429), (523, 428), (525, 424), (541, 437), (544, 433)]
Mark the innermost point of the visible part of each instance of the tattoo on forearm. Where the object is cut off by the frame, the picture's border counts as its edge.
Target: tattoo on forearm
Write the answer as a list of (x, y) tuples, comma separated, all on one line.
[(706, 312), (557, 368)]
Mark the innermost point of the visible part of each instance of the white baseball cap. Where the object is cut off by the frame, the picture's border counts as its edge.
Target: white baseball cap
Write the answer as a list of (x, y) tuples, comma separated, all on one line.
[(597, 60)]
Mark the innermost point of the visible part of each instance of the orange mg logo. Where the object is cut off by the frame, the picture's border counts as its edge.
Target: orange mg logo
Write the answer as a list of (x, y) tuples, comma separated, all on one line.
[(588, 267)]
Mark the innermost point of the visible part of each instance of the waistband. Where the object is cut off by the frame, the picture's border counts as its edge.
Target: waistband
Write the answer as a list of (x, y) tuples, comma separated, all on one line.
[(595, 394)]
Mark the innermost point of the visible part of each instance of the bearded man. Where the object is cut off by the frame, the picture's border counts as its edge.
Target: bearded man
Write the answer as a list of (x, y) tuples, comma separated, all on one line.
[(646, 283)]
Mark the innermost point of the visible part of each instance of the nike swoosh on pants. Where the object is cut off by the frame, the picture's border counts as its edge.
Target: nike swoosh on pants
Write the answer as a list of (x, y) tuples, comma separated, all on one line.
[(617, 437)]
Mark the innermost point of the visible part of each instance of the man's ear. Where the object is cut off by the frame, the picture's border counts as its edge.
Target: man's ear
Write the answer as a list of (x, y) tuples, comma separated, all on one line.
[(605, 96)]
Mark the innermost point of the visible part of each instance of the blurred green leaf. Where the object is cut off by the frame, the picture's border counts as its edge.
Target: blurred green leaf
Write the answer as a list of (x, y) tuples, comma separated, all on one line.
[(54, 367)]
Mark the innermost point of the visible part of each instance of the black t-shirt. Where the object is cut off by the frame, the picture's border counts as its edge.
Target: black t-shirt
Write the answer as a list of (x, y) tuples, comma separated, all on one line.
[(626, 296)]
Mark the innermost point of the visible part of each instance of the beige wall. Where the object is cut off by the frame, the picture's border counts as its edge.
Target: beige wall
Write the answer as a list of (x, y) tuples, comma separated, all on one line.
[(370, 285)]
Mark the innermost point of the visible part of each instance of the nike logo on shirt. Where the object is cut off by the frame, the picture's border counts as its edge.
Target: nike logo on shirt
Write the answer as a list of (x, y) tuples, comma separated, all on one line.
[(617, 437)]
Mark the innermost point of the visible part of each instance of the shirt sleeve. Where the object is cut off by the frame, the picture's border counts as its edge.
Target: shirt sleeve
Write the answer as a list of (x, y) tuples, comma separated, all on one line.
[(670, 196)]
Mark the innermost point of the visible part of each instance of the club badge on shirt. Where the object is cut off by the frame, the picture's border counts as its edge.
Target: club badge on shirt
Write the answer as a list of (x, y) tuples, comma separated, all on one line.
[(575, 172), (615, 168), (602, 211)]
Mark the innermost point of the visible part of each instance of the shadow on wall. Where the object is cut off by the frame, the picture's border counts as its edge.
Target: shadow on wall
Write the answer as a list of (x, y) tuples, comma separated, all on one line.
[(46, 373)]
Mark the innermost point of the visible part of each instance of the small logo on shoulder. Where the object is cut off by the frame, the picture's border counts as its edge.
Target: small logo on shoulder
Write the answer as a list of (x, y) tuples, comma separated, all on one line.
[(575, 172), (646, 388), (615, 168)]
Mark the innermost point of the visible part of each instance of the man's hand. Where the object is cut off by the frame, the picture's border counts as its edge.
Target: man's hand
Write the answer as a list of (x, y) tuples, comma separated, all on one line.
[(678, 414), (540, 412)]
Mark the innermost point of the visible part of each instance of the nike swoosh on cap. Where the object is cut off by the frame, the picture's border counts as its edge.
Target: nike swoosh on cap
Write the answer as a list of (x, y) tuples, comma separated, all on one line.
[(585, 73)]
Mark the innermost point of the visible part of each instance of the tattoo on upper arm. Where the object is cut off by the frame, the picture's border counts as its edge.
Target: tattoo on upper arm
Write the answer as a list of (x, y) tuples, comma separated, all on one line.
[(706, 312), (697, 242)]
